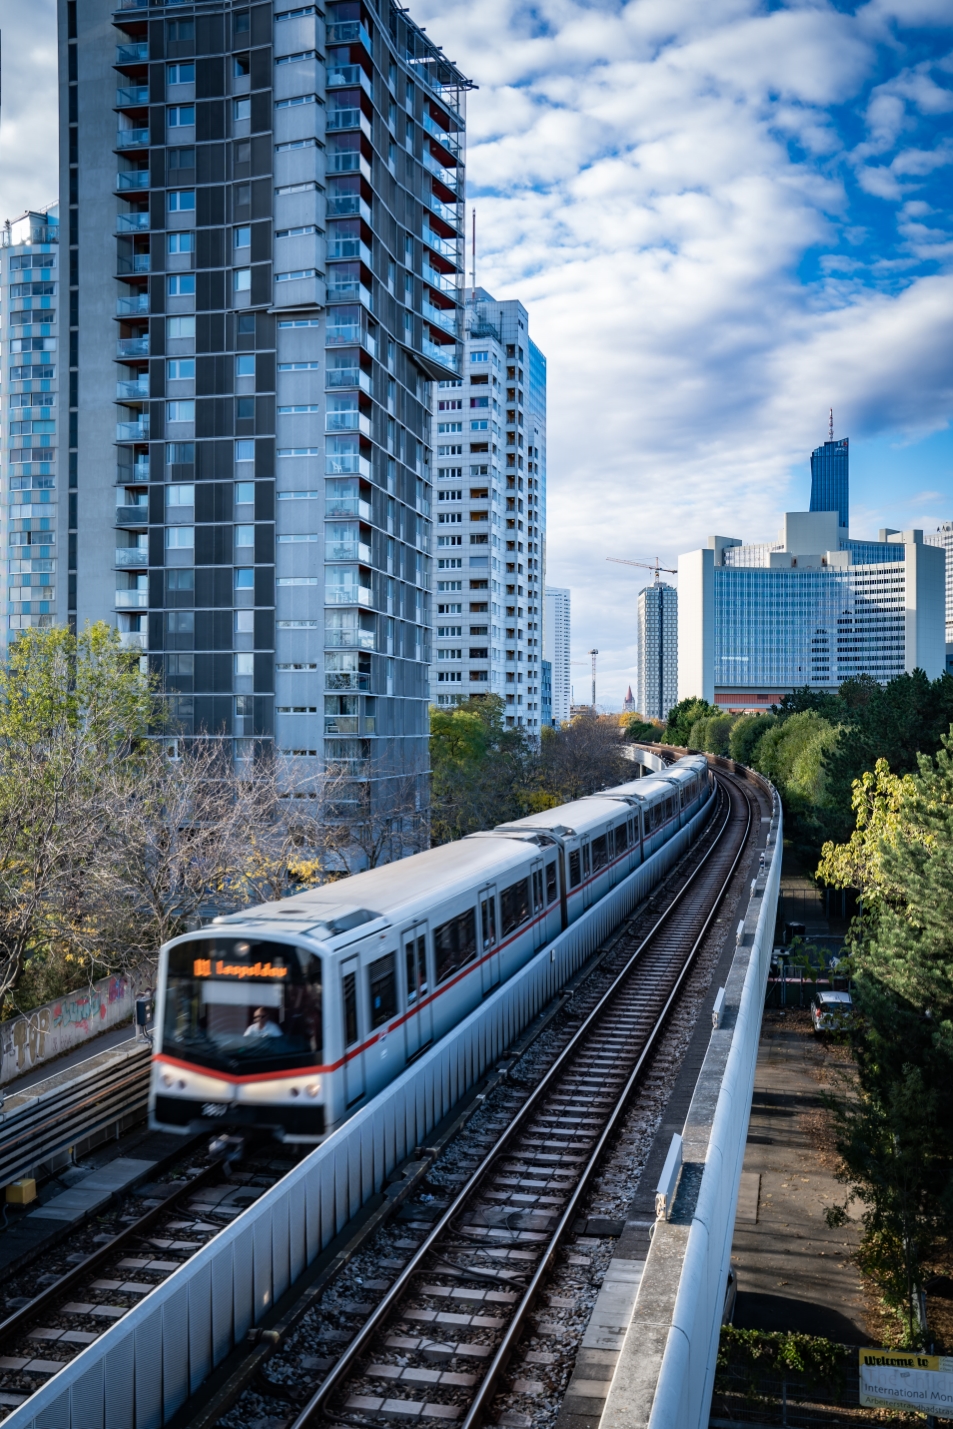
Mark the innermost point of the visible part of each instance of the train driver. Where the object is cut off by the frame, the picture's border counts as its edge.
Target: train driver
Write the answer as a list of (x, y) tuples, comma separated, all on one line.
[(261, 1025)]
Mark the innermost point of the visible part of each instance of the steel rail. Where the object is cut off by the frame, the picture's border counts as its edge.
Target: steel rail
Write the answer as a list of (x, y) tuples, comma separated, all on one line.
[(308, 1415)]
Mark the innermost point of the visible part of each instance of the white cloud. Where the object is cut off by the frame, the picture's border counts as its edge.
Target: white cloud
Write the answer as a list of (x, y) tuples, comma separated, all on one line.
[(28, 119)]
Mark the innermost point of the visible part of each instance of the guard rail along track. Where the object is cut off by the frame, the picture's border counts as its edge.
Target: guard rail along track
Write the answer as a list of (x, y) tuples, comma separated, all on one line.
[(72, 1107), (144, 1368)]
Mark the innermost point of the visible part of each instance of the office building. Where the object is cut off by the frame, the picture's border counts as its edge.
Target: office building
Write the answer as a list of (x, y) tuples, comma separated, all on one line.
[(546, 694), (31, 303), (811, 609), (490, 529), (251, 357), (657, 671), (557, 631), (830, 487), (943, 537)]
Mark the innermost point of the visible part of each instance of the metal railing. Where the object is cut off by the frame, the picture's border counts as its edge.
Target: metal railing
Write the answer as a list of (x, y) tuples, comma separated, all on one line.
[(38, 1124), (142, 1369)]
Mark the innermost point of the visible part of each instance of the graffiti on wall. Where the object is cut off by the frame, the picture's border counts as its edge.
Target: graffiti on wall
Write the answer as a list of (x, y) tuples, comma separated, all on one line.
[(46, 1032)]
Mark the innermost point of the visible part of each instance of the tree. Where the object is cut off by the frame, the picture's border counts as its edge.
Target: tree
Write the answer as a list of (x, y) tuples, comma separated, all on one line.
[(792, 755), (641, 731), (711, 733), (583, 757), (483, 773), (682, 716), (897, 1136), (746, 733)]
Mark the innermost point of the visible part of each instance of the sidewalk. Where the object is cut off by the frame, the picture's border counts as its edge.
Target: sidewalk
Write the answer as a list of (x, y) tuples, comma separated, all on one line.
[(794, 1272), (104, 1042)]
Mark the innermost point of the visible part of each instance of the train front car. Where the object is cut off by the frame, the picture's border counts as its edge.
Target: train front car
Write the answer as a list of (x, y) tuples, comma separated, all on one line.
[(239, 1037)]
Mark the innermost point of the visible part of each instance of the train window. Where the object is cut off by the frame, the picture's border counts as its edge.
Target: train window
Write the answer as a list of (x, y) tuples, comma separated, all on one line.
[(349, 991), (454, 944), (488, 918), (585, 860), (575, 872), (537, 889), (241, 1005), (621, 839), (415, 953), (514, 905), (550, 882), (382, 985), (633, 826), (600, 852)]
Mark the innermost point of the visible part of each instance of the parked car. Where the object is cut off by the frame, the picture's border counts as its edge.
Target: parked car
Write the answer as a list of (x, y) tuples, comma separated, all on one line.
[(831, 1011)]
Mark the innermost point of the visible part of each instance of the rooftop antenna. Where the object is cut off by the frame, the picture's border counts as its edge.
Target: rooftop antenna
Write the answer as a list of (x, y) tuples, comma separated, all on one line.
[(473, 255), (830, 426)]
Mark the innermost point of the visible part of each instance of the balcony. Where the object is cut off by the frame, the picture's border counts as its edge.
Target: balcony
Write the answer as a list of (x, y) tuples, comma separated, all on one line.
[(348, 506), (132, 139), (132, 96), (449, 283), (347, 464), (446, 247), (137, 263), (132, 181), (137, 305), (134, 473), (449, 177), (449, 141), (346, 680), (349, 595), (344, 76), (133, 346), (347, 422), (137, 515), (133, 431), (132, 223), (348, 377), (347, 551), (349, 204), (447, 354), (446, 211), (349, 248), (132, 54), (132, 600), (133, 640), (445, 318), (350, 291), (340, 119), (349, 32), (133, 391), (132, 557), (341, 724)]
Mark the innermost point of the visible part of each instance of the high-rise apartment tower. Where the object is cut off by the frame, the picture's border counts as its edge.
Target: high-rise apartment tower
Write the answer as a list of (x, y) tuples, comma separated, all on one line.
[(557, 631), (657, 671), (251, 355), (490, 531), (31, 300), (943, 537)]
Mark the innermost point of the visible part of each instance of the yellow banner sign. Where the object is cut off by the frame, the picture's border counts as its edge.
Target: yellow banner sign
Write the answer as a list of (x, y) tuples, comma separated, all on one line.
[(895, 1379)]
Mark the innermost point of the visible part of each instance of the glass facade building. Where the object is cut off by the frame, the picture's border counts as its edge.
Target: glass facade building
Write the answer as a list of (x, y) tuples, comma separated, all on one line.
[(557, 634), (252, 353), (829, 480), (31, 302)]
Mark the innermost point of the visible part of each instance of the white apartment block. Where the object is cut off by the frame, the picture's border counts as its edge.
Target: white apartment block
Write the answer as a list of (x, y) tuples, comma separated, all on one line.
[(557, 627), (489, 436), (29, 300), (943, 537)]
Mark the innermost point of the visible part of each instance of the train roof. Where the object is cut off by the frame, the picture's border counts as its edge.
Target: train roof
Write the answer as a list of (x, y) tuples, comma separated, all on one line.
[(391, 892), (577, 817)]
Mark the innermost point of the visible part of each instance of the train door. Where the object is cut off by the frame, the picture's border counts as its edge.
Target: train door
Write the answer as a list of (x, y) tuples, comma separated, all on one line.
[(539, 899), (588, 892), (353, 1059), (489, 950), (419, 1023)]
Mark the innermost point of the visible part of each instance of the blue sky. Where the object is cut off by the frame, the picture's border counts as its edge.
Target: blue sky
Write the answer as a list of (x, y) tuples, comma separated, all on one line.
[(724, 217)]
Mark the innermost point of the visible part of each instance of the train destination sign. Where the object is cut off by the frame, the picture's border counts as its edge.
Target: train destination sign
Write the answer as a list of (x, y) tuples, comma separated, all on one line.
[(893, 1379), (204, 967)]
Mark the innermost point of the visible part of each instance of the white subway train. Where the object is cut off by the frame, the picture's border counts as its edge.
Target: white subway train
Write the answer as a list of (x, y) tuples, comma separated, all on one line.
[(288, 1016)]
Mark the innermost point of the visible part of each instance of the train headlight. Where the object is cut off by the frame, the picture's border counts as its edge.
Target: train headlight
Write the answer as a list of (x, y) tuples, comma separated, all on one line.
[(313, 1089)]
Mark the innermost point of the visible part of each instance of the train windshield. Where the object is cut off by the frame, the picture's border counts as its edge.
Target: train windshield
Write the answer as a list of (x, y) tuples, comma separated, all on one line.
[(241, 1006)]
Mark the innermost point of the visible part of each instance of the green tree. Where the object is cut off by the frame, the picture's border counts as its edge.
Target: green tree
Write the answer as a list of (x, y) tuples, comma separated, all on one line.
[(792, 754), (711, 733), (682, 716), (639, 730), (746, 733), (482, 771)]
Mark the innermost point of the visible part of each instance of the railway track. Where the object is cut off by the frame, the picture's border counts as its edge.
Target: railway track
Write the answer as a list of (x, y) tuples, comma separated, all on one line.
[(436, 1345)]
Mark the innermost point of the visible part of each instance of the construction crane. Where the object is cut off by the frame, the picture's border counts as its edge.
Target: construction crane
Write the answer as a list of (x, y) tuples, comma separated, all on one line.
[(645, 566), (592, 655)]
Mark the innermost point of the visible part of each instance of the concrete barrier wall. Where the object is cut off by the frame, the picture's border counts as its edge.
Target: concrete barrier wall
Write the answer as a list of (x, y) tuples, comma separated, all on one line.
[(665, 1372), (45, 1032), (141, 1371)]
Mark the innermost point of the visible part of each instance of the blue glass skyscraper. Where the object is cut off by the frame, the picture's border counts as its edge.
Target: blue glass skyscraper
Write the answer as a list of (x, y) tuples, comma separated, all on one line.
[(829, 483)]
